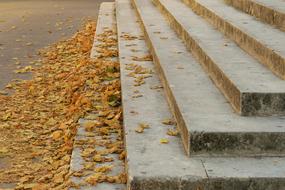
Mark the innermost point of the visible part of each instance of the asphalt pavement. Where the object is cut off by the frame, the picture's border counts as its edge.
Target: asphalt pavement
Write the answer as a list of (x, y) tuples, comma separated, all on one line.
[(29, 25)]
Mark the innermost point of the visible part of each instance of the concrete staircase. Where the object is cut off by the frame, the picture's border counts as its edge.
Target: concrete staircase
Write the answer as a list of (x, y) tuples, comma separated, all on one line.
[(220, 74)]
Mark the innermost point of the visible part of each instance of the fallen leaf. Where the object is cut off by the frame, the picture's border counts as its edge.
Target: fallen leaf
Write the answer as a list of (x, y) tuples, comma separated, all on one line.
[(56, 135), (172, 132), (168, 122), (164, 141)]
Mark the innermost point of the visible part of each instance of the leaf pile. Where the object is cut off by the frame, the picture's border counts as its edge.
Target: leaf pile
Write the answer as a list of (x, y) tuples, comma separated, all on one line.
[(39, 120), (101, 139)]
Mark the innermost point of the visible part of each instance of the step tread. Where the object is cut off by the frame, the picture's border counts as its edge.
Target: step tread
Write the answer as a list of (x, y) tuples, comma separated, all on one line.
[(152, 165), (277, 5), (266, 34), (106, 21), (245, 167), (240, 67)]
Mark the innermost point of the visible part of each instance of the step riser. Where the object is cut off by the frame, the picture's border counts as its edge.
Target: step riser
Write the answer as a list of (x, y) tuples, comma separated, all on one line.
[(265, 55), (266, 14), (205, 184), (238, 144), (246, 104), (217, 143)]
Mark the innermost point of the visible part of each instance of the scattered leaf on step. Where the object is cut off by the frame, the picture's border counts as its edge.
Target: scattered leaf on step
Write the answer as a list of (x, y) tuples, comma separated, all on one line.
[(164, 141), (168, 122), (172, 132), (139, 130)]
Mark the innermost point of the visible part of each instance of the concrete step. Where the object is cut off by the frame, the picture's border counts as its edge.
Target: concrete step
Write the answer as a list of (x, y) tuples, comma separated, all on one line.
[(271, 12), (106, 22), (155, 166), (206, 121), (233, 70), (262, 41)]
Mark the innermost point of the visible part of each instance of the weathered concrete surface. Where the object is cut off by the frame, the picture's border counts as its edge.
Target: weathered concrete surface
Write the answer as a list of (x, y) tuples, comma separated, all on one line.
[(40, 22), (151, 165), (271, 12), (77, 162), (236, 173), (155, 166), (206, 121), (262, 41), (106, 22), (234, 72)]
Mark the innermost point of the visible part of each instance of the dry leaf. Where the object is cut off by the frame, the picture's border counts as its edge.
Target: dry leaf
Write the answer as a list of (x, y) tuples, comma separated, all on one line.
[(168, 122), (139, 130), (172, 132), (164, 141), (56, 135)]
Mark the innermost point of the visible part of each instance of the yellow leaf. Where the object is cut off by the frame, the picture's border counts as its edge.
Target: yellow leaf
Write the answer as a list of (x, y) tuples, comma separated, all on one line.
[(58, 178), (98, 158), (89, 165), (96, 178), (88, 152), (172, 132), (56, 135), (164, 141), (168, 122), (104, 169), (139, 130), (3, 92), (91, 125), (3, 150), (144, 125)]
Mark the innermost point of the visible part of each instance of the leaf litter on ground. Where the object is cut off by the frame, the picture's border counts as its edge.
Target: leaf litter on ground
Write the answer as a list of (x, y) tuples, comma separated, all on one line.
[(38, 122)]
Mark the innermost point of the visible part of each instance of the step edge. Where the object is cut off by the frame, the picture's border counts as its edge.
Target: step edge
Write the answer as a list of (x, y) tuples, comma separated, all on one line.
[(239, 99), (272, 12), (264, 55), (167, 87)]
